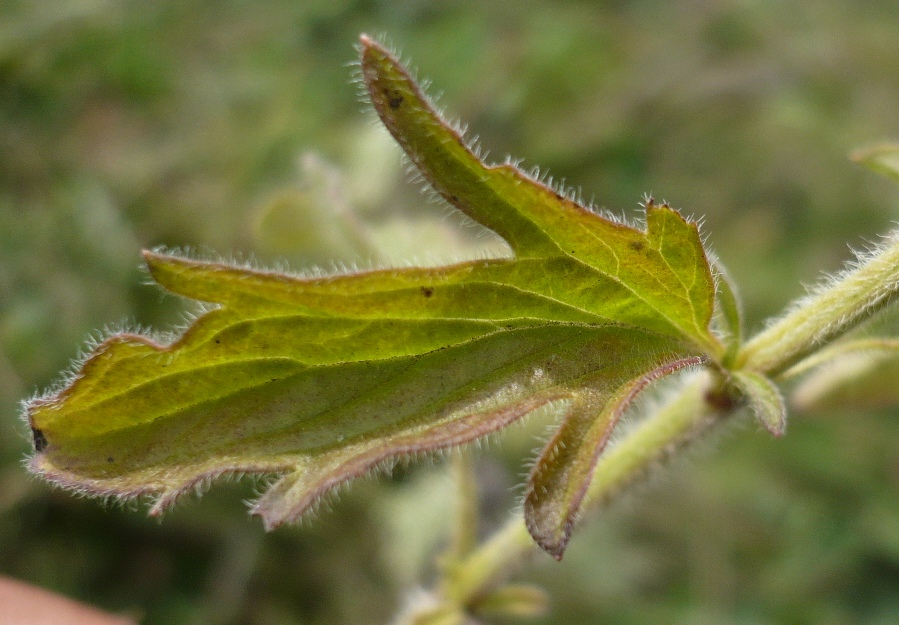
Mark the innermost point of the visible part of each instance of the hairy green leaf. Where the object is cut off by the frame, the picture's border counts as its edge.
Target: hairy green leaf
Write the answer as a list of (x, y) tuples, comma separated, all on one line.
[(764, 400), (321, 379)]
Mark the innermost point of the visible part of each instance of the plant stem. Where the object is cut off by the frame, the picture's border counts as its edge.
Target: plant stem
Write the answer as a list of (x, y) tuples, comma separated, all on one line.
[(465, 525), (827, 314), (655, 439)]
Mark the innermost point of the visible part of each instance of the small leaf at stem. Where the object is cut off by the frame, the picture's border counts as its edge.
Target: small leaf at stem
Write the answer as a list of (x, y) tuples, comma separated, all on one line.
[(764, 399)]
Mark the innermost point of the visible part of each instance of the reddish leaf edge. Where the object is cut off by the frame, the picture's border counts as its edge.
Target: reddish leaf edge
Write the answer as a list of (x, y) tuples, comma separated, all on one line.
[(298, 493), (554, 541)]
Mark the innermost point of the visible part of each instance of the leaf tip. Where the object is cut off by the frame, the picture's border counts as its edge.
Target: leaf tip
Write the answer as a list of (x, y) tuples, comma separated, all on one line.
[(367, 41), (262, 510), (269, 524), (551, 538), (553, 543), (151, 256), (151, 260), (776, 428), (556, 550)]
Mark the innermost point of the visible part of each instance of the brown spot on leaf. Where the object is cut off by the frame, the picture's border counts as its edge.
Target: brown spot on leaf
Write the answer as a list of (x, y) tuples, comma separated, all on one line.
[(394, 98), (637, 246), (427, 291), (40, 441)]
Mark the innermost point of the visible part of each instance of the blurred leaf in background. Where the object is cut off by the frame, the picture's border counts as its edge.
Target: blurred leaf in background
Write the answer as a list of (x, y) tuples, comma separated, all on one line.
[(127, 125)]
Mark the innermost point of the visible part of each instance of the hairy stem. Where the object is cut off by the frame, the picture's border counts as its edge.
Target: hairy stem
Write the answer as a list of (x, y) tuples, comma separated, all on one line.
[(465, 524), (827, 314), (666, 430)]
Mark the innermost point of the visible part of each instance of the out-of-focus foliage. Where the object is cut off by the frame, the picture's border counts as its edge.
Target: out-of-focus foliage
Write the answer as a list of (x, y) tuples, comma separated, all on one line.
[(882, 158), (128, 125)]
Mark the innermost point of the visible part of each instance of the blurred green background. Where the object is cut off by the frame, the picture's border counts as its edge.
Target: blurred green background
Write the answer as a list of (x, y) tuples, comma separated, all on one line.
[(233, 126)]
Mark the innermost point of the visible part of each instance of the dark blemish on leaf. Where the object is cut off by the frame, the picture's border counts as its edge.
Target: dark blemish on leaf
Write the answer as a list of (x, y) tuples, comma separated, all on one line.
[(110, 459), (394, 98), (427, 291), (217, 341), (559, 196), (637, 246), (40, 441), (454, 198)]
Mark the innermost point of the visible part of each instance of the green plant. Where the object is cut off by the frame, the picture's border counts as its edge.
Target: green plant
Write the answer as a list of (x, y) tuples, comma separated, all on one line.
[(322, 379)]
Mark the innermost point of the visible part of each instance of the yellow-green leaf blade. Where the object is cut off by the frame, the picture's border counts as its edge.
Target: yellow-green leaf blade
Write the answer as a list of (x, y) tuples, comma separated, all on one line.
[(558, 289), (322, 379), (162, 433), (665, 268)]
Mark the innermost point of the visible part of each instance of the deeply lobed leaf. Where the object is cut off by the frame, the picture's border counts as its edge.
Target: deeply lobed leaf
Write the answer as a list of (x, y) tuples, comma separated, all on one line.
[(322, 379)]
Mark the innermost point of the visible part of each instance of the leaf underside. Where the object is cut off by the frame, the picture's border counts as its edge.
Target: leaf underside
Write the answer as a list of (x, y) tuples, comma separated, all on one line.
[(561, 476), (319, 380)]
